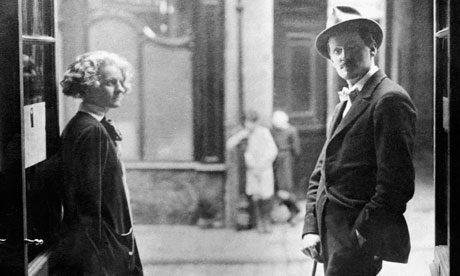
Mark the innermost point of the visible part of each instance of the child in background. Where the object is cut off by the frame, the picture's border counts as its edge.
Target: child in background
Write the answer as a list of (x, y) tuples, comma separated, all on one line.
[(288, 143), (260, 153)]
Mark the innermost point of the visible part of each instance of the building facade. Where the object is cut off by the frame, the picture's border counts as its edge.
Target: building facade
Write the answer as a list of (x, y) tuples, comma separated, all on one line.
[(172, 120), (198, 66)]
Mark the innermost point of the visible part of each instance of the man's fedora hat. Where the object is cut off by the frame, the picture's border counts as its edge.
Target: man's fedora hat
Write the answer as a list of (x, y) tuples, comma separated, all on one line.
[(346, 19)]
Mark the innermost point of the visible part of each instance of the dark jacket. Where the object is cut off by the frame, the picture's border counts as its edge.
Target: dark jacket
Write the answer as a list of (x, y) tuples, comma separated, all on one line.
[(97, 235), (366, 164), (288, 143)]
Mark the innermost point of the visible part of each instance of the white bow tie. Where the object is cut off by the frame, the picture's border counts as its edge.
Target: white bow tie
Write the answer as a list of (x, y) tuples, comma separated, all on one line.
[(347, 94)]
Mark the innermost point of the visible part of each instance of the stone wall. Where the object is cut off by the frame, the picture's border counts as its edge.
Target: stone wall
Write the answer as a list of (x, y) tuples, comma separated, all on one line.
[(172, 196)]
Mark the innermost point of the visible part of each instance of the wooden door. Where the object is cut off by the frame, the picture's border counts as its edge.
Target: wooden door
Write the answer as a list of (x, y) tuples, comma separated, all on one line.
[(29, 134), (300, 78)]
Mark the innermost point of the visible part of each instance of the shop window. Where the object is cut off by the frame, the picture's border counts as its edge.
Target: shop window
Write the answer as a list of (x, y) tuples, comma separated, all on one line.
[(40, 120), (29, 135), (157, 118), (208, 82), (168, 132), (37, 17)]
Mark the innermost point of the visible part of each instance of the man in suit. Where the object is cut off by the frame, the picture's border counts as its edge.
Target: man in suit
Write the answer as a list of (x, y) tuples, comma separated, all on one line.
[(364, 176)]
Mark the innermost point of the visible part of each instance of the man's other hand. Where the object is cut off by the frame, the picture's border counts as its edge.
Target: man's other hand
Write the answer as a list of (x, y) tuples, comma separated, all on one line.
[(311, 245)]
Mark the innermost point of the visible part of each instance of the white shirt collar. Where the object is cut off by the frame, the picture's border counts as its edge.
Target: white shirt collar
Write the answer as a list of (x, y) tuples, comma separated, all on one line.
[(360, 84), (94, 110)]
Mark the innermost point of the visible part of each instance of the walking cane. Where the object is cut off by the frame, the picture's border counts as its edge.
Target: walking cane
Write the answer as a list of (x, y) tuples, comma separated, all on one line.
[(313, 272), (315, 263)]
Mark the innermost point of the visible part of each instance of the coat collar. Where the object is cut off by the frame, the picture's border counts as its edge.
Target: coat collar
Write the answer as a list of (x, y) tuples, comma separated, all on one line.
[(335, 120), (360, 103), (371, 84), (95, 111), (360, 84)]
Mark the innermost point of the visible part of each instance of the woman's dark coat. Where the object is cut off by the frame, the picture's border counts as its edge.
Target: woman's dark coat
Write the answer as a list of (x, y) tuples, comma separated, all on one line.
[(97, 237), (288, 143)]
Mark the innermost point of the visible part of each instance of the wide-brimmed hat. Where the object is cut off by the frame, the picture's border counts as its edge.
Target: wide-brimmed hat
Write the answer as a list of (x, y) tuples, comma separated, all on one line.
[(346, 19)]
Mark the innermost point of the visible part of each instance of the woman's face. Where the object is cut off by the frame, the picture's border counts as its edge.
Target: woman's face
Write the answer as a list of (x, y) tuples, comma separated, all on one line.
[(110, 91)]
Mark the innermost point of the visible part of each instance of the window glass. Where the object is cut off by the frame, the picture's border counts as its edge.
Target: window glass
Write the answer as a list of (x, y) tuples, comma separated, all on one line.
[(156, 119), (171, 18), (37, 72), (168, 97), (36, 19), (40, 128), (441, 14)]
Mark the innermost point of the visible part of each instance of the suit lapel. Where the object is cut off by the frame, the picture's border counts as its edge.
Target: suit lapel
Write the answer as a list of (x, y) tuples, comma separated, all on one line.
[(336, 118), (361, 102)]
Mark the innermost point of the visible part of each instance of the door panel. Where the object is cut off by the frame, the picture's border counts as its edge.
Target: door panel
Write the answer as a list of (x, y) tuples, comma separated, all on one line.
[(29, 133), (300, 78), (12, 254)]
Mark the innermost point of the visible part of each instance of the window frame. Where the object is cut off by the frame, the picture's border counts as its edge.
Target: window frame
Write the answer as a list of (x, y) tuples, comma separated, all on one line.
[(446, 136), (13, 90)]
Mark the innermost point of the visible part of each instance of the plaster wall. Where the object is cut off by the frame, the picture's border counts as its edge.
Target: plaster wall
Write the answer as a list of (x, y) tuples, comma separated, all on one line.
[(257, 55), (412, 61)]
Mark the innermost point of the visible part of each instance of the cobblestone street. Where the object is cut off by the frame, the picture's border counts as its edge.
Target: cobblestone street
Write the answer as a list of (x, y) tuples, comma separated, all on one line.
[(168, 250), (222, 251), (265, 269)]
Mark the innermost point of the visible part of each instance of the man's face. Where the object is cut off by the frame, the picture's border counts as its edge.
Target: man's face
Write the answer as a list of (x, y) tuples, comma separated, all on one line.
[(110, 91), (350, 56)]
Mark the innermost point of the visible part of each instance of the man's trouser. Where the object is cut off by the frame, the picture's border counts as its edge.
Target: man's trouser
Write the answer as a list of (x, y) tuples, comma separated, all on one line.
[(342, 253)]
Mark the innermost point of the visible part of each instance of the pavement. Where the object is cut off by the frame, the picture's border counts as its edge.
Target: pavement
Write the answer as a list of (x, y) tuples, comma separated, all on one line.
[(170, 250)]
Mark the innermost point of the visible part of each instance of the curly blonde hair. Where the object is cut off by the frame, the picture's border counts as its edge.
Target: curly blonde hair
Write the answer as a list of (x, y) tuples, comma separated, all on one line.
[(84, 72)]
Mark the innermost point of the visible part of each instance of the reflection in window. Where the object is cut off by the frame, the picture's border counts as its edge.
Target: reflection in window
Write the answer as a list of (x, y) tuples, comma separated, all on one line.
[(35, 66), (171, 19), (35, 17)]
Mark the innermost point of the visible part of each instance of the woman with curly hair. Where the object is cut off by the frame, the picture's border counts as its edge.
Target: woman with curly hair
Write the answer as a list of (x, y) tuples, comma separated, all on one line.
[(97, 228)]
